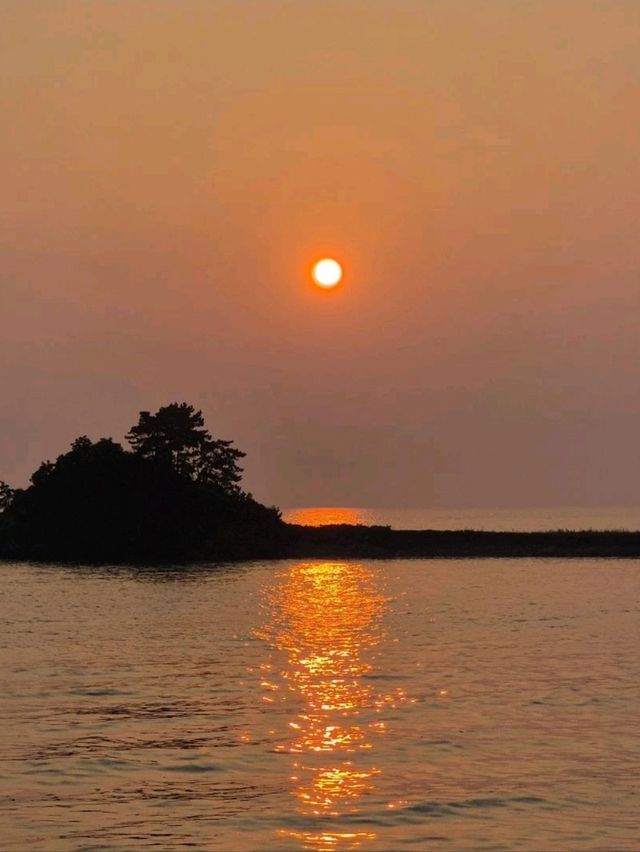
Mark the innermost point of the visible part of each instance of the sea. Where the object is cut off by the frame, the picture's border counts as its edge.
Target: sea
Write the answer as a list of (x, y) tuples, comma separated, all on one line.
[(313, 705), (503, 520)]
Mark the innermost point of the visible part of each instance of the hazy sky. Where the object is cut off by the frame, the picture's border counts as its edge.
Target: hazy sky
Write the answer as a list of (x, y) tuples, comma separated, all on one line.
[(170, 169)]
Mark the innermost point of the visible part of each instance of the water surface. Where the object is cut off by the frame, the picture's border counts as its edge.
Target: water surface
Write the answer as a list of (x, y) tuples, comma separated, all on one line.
[(462, 705), (501, 520)]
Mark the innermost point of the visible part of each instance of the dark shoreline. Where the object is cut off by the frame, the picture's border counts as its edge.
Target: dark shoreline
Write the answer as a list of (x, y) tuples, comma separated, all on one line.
[(344, 541)]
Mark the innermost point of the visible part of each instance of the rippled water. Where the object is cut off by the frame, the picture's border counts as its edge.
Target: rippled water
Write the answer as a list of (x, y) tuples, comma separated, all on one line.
[(454, 705)]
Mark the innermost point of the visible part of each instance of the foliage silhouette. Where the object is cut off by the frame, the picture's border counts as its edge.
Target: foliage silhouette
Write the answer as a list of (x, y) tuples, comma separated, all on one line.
[(6, 496), (175, 436), (101, 503)]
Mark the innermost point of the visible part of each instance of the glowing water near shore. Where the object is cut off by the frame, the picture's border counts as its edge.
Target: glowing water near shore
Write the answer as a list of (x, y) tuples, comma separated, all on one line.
[(521, 520), (286, 706)]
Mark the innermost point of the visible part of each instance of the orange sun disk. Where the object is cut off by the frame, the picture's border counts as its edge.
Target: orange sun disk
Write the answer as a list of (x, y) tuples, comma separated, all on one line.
[(327, 273)]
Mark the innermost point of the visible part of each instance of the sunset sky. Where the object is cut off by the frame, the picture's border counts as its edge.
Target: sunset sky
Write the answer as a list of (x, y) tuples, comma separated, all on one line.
[(171, 169)]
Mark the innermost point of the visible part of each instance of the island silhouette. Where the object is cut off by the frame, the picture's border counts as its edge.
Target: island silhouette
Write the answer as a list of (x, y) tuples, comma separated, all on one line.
[(175, 496)]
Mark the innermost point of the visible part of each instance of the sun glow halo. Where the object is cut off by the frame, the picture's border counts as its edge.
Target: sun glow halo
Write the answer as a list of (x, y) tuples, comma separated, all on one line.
[(327, 272)]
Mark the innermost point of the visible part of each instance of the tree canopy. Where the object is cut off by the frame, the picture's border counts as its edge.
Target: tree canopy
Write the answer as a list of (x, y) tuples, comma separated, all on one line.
[(6, 495), (176, 435), (175, 496)]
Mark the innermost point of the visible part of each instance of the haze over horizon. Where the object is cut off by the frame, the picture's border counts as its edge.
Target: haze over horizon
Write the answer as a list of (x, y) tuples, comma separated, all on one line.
[(170, 172)]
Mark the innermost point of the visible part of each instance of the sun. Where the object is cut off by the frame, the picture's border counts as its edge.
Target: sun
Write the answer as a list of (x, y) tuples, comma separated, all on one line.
[(327, 272)]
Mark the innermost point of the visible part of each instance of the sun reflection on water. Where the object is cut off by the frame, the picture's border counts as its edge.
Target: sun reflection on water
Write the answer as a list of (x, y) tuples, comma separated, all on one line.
[(326, 619), (318, 516)]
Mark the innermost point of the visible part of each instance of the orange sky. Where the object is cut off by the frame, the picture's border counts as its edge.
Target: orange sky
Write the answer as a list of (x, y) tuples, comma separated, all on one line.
[(171, 168)]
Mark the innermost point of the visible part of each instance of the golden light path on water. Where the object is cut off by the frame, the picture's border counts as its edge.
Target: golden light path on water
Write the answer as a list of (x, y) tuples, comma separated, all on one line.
[(313, 516), (326, 619)]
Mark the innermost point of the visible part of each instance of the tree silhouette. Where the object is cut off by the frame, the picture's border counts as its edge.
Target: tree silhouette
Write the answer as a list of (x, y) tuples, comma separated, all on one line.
[(176, 436), (6, 496), (174, 497), (99, 502)]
